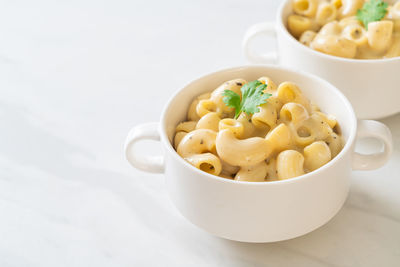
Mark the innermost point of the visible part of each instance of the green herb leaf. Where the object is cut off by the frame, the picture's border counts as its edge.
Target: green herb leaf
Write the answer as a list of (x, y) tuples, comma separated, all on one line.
[(374, 10), (232, 100), (252, 97)]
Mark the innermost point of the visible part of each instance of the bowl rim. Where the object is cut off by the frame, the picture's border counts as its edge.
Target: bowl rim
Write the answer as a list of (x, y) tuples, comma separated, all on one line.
[(347, 146), (281, 24)]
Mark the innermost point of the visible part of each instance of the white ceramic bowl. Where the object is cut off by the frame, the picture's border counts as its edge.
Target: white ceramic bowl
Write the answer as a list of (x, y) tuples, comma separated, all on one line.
[(372, 86), (259, 211)]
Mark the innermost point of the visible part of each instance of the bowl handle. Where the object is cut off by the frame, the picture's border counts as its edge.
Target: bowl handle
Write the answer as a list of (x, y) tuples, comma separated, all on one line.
[(374, 129), (146, 131), (264, 28)]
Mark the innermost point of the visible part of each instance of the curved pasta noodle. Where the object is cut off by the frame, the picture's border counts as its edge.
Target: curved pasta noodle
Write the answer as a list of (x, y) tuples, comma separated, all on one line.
[(248, 127), (349, 21), (217, 96), (207, 162), (233, 125), (290, 92), (330, 119), (209, 121), (316, 155), (243, 152), (298, 24), (254, 173), (325, 13), (305, 7), (289, 164), (307, 37), (293, 113), (229, 169), (192, 114), (349, 8), (315, 128), (266, 118), (197, 142), (178, 138), (331, 28), (334, 142), (355, 33), (205, 106), (379, 35), (186, 126), (335, 46), (280, 138)]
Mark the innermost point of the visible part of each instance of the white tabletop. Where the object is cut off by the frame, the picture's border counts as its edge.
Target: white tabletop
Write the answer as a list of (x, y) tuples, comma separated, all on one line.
[(75, 77)]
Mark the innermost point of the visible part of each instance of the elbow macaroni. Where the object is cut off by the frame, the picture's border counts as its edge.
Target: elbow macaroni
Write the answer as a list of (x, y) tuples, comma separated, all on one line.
[(331, 27), (288, 137)]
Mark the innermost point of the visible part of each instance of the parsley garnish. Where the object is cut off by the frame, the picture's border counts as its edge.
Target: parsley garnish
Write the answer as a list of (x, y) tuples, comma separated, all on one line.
[(374, 10), (252, 97)]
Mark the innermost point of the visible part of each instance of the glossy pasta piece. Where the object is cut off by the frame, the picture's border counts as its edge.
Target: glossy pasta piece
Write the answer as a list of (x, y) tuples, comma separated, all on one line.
[(293, 113), (349, 21), (307, 37), (192, 114), (254, 173), (243, 152), (331, 28), (217, 96), (355, 33), (298, 24), (316, 155), (330, 119), (209, 121), (335, 46), (289, 164), (233, 125), (186, 126), (290, 92), (197, 142), (229, 169), (266, 118), (325, 13), (280, 138), (335, 143), (178, 138), (205, 106), (305, 7), (248, 127), (349, 8), (206, 162), (315, 128), (379, 35)]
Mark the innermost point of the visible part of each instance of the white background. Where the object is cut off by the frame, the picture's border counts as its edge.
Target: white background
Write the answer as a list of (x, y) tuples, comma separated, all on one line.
[(75, 76)]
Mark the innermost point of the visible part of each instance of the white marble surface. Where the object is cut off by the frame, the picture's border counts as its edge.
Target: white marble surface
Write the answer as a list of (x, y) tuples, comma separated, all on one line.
[(74, 77)]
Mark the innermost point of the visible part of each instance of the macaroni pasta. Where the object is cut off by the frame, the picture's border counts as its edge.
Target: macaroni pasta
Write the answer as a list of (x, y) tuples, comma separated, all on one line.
[(331, 27), (287, 137)]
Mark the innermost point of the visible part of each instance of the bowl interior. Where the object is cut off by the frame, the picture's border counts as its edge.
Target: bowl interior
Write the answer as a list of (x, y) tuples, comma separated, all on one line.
[(320, 92)]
